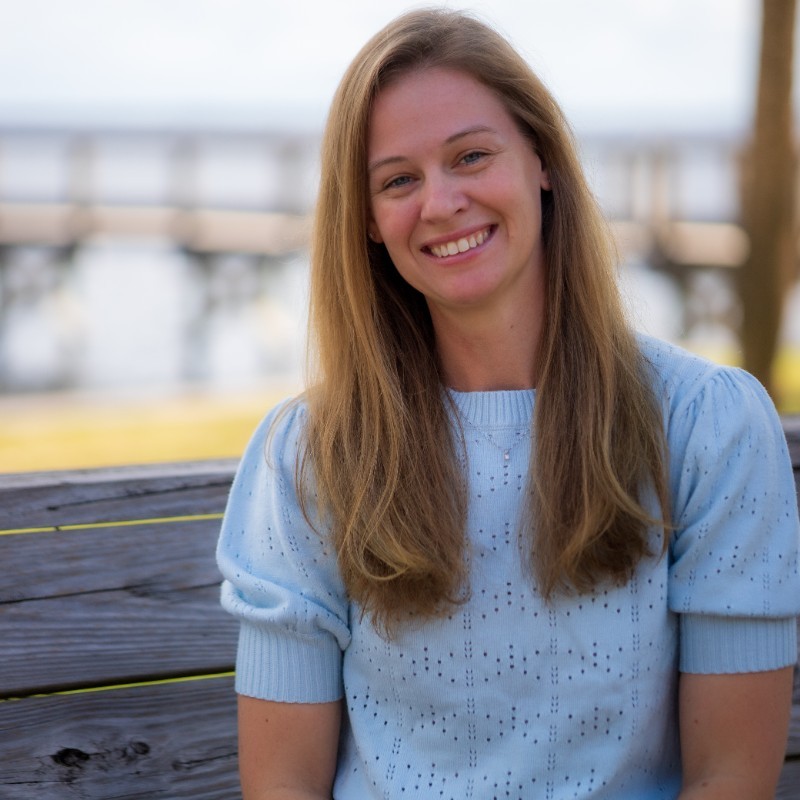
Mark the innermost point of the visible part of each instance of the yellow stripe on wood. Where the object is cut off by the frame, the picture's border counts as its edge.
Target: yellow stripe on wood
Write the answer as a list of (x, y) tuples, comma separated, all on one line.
[(119, 686), (82, 526)]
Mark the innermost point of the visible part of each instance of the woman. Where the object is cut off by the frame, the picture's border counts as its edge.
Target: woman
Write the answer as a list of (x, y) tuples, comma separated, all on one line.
[(447, 589)]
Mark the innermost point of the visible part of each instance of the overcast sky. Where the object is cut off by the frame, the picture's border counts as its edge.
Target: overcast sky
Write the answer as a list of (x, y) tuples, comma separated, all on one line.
[(611, 63)]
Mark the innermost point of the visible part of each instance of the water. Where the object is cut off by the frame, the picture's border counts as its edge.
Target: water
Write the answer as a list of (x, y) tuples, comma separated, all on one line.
[(143, 316), (133, 315)]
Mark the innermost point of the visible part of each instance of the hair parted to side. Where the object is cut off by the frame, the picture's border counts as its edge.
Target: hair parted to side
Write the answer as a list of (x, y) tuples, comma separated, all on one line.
[(381, 462)]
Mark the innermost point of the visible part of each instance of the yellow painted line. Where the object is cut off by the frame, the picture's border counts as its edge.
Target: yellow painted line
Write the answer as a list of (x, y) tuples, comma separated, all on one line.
[(84, 526), (117, 687)]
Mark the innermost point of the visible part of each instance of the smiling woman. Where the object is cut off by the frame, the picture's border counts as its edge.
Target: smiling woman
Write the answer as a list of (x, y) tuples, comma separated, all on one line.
[(502, 546)]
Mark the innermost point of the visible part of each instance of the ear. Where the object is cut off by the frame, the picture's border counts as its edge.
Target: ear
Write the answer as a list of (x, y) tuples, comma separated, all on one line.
[(544, 179), (373, 232)]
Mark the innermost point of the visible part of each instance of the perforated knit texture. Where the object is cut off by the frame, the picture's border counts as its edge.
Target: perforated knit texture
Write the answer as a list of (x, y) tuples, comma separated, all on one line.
[(509, 697)]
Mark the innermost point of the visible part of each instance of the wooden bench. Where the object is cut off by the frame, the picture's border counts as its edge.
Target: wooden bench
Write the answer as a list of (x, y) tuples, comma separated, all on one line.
[(112, 636), (116, 674)]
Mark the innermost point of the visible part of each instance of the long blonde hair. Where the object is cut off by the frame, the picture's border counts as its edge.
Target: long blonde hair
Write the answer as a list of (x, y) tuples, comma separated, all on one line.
[(380, 462)]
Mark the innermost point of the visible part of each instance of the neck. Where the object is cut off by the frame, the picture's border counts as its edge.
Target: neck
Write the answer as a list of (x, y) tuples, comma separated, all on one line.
[(480, 353)]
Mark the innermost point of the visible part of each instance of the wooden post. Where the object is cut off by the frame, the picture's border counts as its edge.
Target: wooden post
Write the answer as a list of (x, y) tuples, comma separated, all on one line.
[(769, 194)]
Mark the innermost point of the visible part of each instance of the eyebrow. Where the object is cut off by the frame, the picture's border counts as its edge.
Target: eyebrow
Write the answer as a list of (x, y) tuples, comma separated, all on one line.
[(382, 162)]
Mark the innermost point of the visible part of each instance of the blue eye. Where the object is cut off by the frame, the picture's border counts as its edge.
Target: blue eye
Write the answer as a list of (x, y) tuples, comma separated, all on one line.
[(401, 180), (471, 158)]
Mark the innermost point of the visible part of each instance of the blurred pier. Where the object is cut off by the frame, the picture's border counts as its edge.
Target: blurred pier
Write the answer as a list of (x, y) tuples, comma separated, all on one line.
[(205, 191), (230, 213), (251, 192)]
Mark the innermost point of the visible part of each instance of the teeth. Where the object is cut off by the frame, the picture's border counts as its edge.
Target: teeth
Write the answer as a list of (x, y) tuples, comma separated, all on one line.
[(461, 245)]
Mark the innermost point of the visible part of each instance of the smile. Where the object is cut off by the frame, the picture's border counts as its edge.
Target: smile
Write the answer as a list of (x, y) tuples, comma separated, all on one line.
[(460, 245)]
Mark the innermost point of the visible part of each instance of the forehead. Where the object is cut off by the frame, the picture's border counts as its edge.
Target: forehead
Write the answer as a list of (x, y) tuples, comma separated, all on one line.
[(424, 108)]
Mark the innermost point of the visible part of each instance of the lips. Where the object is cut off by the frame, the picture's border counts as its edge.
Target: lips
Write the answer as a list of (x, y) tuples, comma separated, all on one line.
[(461, 245)]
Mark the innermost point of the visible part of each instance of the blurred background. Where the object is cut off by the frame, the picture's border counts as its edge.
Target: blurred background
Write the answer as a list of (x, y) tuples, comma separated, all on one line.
[(158, 165)]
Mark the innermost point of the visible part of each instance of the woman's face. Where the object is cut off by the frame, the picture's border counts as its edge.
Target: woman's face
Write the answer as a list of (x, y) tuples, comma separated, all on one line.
[(455, 194)]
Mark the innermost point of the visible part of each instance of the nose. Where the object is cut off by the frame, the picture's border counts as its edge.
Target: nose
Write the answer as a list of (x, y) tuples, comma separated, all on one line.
[(442, 198)]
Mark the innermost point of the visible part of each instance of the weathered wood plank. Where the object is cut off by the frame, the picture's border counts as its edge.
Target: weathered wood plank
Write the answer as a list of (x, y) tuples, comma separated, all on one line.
[(164, 742), (106, 495), (793, 745), (127, 472), (105, 638), (789, 785), (100, 606), (156, 557), (791, 427)]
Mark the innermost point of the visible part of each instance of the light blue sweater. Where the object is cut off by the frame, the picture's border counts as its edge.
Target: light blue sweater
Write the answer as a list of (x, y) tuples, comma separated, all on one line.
[(509, 697)]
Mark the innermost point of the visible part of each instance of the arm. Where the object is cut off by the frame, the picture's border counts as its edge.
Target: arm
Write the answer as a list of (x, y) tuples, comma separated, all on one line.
[(282, 582), (733, 731), (287, 751)]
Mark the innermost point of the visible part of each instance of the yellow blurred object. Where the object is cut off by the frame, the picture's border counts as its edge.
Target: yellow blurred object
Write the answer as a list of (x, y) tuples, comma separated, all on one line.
[(52, 432), (787, 379), (786, 372)]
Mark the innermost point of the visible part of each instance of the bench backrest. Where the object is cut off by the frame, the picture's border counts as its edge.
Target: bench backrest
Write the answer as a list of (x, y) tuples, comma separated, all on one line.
[(117, 661)]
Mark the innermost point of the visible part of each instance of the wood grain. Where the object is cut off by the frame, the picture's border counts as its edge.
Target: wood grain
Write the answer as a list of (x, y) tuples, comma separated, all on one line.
[(116, 494), (105, 638), (159, 557), (104, 606), (789, 785), (791, 427), (168, 742)]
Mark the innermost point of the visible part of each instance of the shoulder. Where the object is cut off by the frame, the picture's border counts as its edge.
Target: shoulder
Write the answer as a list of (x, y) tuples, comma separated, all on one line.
[(269, 464), (696, 393), (723, 434), (277, 439), (680, 377)]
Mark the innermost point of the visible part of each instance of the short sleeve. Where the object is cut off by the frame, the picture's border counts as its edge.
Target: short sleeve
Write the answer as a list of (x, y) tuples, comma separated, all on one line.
[(733, 574), (280, 577)]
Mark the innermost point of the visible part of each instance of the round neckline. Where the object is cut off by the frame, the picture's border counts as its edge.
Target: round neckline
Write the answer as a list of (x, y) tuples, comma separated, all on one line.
[(497, 407)]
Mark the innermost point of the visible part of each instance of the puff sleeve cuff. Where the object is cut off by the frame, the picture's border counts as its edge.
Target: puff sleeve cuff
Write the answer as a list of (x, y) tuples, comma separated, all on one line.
[(280, 577), (734, 555), (711, 645)]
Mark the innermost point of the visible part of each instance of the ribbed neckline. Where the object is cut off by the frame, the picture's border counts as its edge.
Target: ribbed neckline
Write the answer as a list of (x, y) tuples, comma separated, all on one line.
[(507, 407)]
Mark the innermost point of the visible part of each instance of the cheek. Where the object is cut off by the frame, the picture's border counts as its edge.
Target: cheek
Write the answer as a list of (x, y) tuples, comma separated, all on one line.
[(394, 223)]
